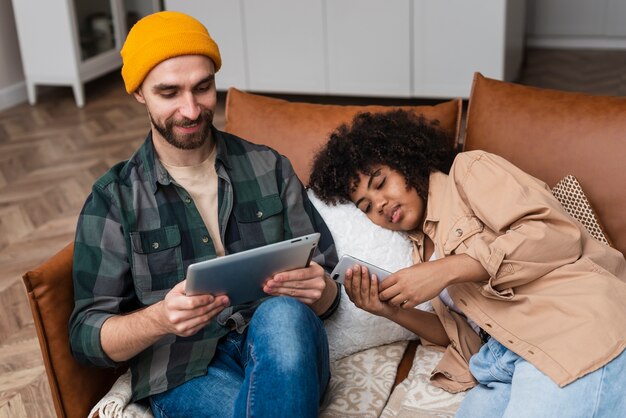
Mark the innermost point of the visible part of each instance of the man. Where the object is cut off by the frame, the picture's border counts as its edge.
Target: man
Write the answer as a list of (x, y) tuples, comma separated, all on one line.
[(191, 193)]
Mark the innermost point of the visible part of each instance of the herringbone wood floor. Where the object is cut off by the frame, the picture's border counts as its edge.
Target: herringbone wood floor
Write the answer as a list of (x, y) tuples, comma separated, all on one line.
[(49, 156), (51, 153)]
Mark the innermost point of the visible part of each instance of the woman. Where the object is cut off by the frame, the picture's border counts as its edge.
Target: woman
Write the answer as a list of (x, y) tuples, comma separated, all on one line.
[(521, 291)]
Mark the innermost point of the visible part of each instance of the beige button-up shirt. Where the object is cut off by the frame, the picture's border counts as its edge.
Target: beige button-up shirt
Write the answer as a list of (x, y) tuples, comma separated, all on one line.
[(555, 296)]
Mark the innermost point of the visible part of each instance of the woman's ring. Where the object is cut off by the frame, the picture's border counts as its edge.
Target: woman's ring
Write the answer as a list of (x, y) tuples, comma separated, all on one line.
[(404, 302)]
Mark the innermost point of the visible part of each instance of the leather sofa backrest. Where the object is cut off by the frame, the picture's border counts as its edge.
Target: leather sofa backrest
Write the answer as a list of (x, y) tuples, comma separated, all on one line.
[(297, 130), (551, 134)]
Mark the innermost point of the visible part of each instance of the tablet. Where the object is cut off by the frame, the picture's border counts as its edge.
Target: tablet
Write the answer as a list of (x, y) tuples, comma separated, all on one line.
[(347, 261), (242, 275)]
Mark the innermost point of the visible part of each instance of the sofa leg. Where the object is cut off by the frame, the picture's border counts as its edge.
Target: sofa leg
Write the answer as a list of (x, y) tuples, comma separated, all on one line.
[(406, 362)]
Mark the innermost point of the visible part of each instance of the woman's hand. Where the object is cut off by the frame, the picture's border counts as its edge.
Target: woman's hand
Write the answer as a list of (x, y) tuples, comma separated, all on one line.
[(413, 285), (421, 282), (362, 289)]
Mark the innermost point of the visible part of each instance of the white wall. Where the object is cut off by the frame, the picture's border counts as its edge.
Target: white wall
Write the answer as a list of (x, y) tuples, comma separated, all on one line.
[(580, 24), (12, 86)]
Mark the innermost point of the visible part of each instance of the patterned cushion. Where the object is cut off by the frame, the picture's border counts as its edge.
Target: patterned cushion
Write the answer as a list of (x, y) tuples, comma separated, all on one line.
[(415, 396), (360, 384), (569, 192)]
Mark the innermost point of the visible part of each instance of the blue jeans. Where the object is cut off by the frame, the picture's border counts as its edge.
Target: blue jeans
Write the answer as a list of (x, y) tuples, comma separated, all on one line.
[(509, 386), (278, 367)]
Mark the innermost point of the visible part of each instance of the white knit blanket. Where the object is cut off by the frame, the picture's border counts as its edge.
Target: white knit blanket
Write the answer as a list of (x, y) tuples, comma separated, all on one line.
[(115, 404)]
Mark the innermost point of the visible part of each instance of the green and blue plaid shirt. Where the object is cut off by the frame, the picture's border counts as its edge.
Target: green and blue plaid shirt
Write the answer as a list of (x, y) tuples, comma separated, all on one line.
[(139, 230)]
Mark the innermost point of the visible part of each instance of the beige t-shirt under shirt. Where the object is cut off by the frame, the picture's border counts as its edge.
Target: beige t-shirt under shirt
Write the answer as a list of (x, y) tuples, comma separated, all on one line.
[(200, 181)]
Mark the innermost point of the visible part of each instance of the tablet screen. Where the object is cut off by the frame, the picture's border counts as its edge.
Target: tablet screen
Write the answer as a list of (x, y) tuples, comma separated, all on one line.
[(242, 275)]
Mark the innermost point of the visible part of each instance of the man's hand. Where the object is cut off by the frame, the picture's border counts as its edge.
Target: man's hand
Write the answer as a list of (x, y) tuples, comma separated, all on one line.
[(184, 315), (125, 336), (305, 284), (310, 285)]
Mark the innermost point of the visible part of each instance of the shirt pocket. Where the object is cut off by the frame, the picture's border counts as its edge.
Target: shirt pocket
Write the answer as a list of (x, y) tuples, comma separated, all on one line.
[(260, 221), (157, 262), (461, 233)]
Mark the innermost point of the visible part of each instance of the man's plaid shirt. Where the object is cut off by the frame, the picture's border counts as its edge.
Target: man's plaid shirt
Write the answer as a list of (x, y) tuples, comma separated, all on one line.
[(139, 230)]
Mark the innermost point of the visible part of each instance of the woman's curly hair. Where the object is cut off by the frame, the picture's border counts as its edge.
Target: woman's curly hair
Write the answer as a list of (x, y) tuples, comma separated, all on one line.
[(401, 140)]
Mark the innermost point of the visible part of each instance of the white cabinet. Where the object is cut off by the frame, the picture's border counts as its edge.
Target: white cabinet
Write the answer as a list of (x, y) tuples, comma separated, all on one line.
[(224, 21), (369, 47), (379, 48), (285, 45), (70, 42)]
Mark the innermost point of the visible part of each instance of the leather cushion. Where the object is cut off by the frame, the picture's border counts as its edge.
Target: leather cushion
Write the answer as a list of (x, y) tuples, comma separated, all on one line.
[(297, 130), (551, 134)]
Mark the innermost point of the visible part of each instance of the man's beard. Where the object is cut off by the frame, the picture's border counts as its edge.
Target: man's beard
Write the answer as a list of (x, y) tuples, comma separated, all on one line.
[(186, 141)]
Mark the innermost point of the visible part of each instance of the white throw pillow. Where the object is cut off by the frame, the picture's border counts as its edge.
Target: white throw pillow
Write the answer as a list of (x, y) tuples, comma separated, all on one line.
[(351, 329)]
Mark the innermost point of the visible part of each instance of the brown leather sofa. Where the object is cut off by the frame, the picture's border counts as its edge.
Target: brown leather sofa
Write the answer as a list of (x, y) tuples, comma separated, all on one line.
[(549, 134)]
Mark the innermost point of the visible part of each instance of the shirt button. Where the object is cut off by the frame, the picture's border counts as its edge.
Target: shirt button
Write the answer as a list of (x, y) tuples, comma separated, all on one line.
[(458, 232), (259, 214), (205, 239), (155, 245), (187, 200)]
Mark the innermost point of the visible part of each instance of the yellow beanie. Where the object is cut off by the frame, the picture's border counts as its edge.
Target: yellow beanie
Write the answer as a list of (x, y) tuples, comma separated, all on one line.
[(160, 36)]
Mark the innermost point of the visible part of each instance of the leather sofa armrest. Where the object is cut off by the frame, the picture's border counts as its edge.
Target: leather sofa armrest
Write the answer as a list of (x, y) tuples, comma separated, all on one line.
[(75, 388)]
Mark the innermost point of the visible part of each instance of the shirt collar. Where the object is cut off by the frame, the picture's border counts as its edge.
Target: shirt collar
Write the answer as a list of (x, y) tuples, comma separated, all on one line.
[(221, 156), (156, 173), (437, 185)]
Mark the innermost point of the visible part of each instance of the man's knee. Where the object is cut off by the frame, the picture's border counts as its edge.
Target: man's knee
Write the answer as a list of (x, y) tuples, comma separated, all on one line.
[(282, 309), (286, 323)]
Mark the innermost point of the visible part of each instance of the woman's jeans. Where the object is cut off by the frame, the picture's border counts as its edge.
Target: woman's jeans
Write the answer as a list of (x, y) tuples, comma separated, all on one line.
[(509, 387), (278, 367)]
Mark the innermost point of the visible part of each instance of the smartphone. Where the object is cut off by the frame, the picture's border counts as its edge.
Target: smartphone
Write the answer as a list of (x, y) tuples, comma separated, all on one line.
[(347, 261)]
